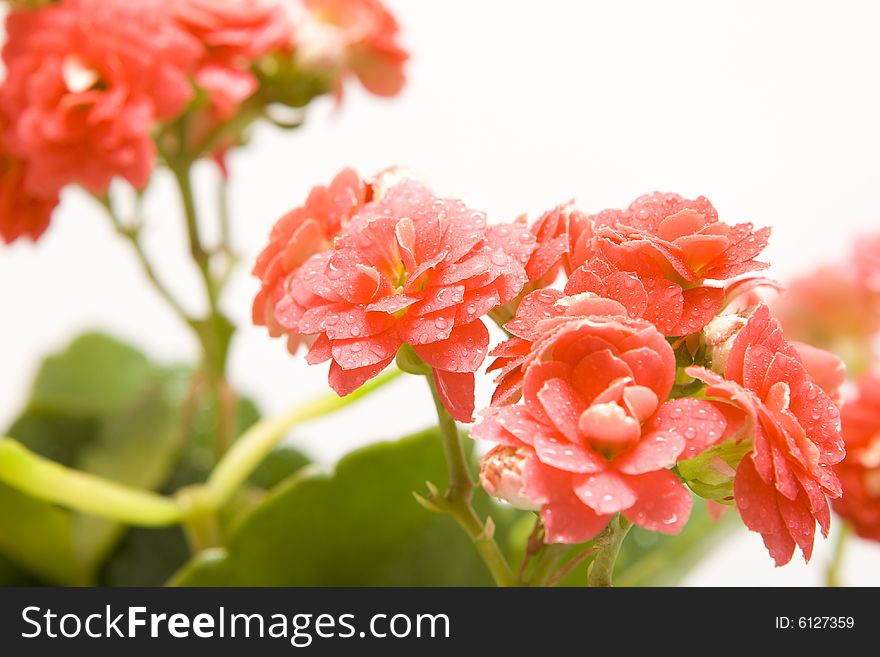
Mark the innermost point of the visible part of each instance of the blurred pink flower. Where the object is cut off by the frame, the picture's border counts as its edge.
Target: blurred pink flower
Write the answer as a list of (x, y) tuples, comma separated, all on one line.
[(414, 269), (234, 34), (859, 472), (356, 37), (832, 307), (780, 487), (22, 214), (86, 80), (595, 435)]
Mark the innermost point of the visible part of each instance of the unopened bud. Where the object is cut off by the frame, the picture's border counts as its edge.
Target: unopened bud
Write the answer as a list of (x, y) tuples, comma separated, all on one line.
[(718, 336), (501, 475)]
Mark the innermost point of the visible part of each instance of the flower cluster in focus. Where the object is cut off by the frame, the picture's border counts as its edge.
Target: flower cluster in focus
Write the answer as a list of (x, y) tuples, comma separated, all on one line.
[(647, 370)]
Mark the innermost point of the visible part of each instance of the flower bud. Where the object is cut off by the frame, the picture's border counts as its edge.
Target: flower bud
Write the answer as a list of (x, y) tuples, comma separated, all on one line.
[(501, 475), (718, 336)]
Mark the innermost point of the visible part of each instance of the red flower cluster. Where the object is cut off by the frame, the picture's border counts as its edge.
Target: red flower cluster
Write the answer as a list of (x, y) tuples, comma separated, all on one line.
[(408, 268), (593, 406), (859, 472), (91, 82), (781, 486), (85, 81)]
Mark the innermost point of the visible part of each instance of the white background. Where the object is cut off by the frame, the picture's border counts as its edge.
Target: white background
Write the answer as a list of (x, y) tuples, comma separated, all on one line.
[(768, 108)]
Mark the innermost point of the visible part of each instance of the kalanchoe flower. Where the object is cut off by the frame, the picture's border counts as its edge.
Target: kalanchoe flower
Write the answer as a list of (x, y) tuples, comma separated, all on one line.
[(866, 258), (234, 34), (593, 289), (647, 293), (86, 80), (22, 214), (558, 244), (413, 269), (351, 37), (683, 238), (859, 472), (297, 236), (595, 435), (834, 307), (781, 485)]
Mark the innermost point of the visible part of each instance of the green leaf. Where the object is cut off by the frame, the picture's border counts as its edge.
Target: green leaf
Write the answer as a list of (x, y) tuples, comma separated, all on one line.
[(283, 462), (12, 575), (101, 407), (149, 557), (360, 526), (93, 377), (39, 538)]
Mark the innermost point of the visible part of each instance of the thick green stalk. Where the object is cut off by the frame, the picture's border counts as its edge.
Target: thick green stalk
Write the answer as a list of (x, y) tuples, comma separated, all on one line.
[(80, 491), (457, 500), (607, 549), (255, 444)]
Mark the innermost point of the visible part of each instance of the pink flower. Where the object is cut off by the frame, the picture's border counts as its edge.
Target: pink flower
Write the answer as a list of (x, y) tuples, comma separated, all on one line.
[(859, 472), (297, 236), (647, 293), (595, 435), (679, 238), (86, 81), (780, 488), (866, 258), (831, 307), (234, 34), (413, 269), (558, 235), (22, 214), (598, 288), (356, 37)]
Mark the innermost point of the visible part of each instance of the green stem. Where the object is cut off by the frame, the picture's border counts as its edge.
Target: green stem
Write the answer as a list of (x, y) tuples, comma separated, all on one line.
[(608, 547), (132, 235), (833, 577), (215, 333), (457, 500), (255, 444), (200, 525), (182, 171), (547, 563), (80, 491)]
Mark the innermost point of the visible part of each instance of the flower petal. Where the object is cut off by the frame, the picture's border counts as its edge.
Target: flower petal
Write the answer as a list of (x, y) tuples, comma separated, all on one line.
[(605, 492), (456, 391)]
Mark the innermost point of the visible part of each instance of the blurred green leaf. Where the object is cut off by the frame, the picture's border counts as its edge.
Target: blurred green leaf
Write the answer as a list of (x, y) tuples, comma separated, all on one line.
[(93, 377), (98, 406), (149, 557), (39, 538), (278, 466), (357, 527), (12, 575)]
